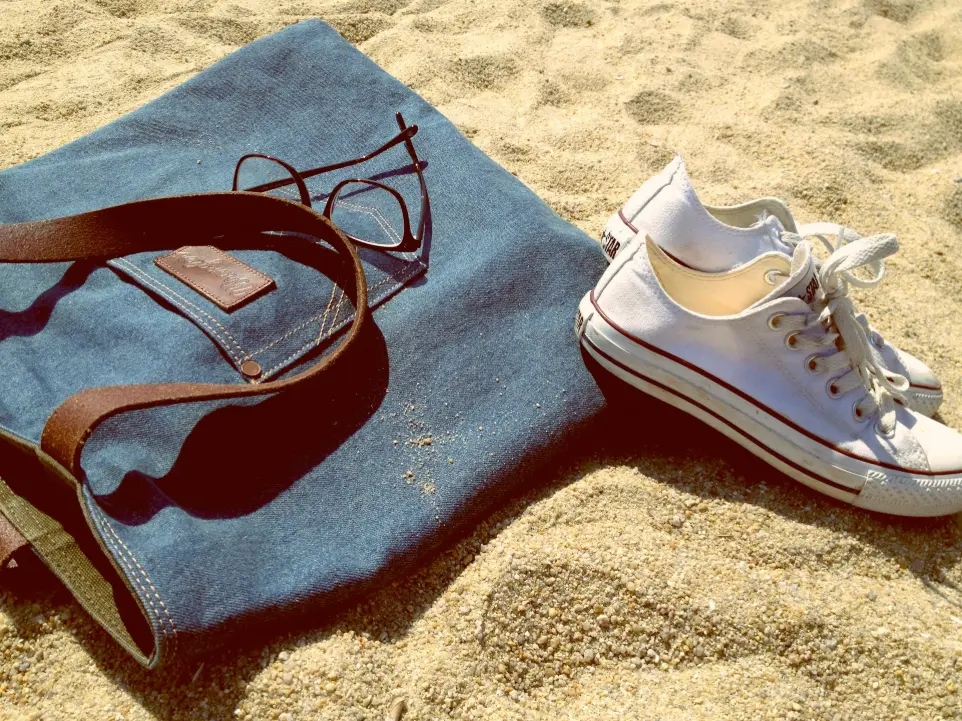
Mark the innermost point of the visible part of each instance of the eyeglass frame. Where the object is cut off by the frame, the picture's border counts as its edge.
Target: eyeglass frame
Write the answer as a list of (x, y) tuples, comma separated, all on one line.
[(409, 241)]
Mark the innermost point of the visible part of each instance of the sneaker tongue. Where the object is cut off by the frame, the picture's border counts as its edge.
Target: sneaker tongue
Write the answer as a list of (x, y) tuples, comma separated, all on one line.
[(771, 227), (776, 209), (802, 281), (770, 222)]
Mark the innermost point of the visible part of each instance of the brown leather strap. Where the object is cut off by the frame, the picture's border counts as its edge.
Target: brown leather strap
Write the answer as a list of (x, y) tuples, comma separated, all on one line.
[(163, 224)]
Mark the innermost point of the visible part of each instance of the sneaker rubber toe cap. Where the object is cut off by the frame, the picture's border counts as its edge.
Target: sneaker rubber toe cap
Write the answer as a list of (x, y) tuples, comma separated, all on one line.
[(915, 494)]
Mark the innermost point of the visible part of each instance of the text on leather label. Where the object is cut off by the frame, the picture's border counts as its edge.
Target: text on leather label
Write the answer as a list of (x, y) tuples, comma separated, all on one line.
[(216, 275)]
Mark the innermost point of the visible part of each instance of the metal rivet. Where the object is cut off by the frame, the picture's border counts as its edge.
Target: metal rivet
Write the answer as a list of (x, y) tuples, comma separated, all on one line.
[(832, 389), (251, 368)]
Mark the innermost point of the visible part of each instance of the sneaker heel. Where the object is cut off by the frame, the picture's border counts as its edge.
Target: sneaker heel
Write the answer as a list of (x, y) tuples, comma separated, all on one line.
[(585, 311), (615, 237)]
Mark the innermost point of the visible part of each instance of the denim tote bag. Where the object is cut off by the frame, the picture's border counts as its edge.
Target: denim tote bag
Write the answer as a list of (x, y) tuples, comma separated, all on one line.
[(232, 500)]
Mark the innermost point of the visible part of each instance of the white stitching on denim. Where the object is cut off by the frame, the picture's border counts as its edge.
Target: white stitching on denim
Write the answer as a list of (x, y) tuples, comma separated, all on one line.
[(164, 262), (153, 282), (306, 323), (325, 314), (374, 213), (136, 579), (316, 341), (323, 325), (170, 620), (337, 310), (331, 305), (150, 280), (289, 192), (335, 290), (143, 573), (307, 346), (380, 220), (172, 633)]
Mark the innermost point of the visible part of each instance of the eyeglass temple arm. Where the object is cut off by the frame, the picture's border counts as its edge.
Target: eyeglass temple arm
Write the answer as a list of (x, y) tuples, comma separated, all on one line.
[(425, 203), (403, 137)]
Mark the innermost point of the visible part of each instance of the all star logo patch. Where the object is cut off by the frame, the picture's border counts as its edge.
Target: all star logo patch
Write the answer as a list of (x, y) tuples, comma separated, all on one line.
[(808, 295), (609, 244)]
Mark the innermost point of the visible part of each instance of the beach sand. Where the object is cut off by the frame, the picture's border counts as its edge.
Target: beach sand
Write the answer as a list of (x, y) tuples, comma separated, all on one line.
[(672, 576)]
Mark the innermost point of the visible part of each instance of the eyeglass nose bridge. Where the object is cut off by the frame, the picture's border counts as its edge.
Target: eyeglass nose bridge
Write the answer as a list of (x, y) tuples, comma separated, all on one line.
[(408, 242)]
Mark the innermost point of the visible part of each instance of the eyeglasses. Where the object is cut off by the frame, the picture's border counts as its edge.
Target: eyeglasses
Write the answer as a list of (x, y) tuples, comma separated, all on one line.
[(382, 210)]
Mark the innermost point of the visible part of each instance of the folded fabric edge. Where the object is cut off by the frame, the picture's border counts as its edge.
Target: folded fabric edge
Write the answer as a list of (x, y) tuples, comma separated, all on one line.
[(44, 503)]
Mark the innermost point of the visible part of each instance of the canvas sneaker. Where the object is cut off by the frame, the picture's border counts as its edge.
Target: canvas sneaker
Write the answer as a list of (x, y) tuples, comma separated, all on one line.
[(719, 238), (793, 377)]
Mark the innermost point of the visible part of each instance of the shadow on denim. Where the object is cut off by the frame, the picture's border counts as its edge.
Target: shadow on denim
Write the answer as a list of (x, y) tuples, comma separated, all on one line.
[(243, 477), (619, 436), (33, 320)]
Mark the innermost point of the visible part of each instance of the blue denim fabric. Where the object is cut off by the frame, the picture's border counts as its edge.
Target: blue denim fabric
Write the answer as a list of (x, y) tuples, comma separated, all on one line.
[(224, 515)]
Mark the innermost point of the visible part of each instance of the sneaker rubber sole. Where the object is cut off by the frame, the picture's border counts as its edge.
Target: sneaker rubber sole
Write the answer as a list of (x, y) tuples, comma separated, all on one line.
[(773, 438), (926, 401)]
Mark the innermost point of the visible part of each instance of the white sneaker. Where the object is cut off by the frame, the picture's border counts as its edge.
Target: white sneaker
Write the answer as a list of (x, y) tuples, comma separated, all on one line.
[(719, 238), (793, 377)]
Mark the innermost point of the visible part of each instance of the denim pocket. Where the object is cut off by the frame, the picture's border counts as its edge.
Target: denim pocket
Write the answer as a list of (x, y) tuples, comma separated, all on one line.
[(276, 329)]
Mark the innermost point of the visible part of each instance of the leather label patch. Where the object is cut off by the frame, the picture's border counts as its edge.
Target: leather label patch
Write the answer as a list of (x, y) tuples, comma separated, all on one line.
[(216, 275)]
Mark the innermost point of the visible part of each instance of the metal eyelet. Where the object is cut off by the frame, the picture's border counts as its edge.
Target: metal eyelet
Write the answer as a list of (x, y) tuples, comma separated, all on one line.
[(774, 320), (832, 389), (811, 365), (790, 341), (857, 413), (878, 430)]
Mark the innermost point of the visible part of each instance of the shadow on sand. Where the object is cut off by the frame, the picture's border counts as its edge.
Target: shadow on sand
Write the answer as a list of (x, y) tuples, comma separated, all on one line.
[(927, 548)]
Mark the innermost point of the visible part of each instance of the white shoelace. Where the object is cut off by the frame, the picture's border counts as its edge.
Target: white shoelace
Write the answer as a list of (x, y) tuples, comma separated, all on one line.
[(835, 325), (820, 231)]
